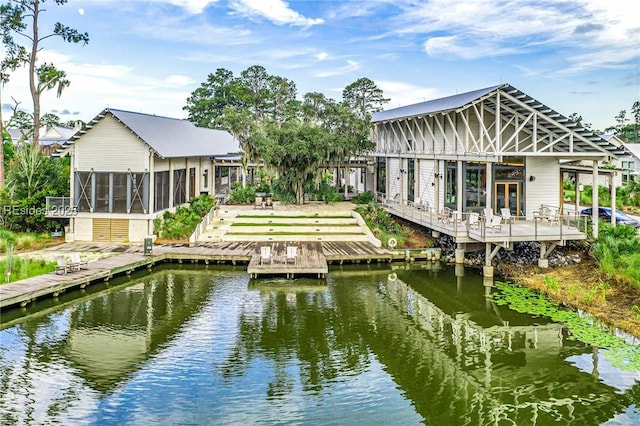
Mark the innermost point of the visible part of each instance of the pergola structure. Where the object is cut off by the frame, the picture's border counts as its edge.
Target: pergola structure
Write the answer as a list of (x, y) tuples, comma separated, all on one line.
[(494, 148)]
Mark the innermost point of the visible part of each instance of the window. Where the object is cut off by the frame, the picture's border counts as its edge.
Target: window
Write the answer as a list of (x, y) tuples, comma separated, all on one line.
[(84, 191), (102, 192), (179, 190), (451, 184), (475, 186), (120, 193), (381, 175), (161, 201), (192, 182), (139, 193)]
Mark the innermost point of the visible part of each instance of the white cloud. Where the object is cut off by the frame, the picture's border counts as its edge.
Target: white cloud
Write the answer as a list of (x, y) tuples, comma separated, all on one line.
[(193, 6), (179, 80), (277, 11), (481, 28), (464, 48), (322, 56), (350, 66), (401, 94)]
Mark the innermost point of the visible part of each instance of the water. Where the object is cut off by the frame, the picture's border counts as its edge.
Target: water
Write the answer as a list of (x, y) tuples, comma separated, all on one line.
[(209, 346)]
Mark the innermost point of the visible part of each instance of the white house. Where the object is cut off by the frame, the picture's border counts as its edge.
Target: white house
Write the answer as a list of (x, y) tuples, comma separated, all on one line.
[(127, 168)]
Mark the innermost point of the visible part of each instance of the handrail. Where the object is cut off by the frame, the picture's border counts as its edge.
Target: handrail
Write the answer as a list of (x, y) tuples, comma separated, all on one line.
[(200, 228)]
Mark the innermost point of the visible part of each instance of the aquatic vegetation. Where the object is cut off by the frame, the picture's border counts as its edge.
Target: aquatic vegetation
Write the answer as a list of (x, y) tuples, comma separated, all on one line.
[(583, 327)]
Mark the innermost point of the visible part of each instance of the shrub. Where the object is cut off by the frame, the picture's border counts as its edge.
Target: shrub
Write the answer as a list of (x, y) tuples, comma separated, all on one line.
[(180, 225), (364, 198), (242, 195)]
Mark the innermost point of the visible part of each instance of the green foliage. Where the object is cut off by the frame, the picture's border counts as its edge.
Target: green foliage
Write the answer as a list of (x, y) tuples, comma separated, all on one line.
[(363, 198), (582, 327), (20, 268), (242, 195), (617, 252), (382, 224), (31, 177), (22, 241), (181, 224), (550, 282)]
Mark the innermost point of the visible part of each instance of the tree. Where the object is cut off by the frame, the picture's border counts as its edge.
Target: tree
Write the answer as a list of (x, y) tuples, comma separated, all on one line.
[(256, 88), (31, 178), (295, 149), (363, 97), (15, 56), (621, 119), (50, 120), (23, 17), (635, 110), (207, 103), (577, 118), (239, 123)]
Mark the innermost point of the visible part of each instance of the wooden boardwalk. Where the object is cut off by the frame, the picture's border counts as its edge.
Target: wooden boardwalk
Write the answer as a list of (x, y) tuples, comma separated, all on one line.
[(310, 260), (24, 291)]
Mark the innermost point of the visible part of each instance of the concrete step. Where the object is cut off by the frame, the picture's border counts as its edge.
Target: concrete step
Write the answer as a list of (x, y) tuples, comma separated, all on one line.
[(298, 237)]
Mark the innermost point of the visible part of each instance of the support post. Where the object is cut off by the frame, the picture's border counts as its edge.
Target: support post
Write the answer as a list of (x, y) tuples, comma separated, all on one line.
[(594, 200)]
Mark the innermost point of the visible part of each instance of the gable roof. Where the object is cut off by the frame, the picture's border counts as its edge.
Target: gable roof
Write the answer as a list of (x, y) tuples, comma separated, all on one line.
[(514, 102), (170, 137), (436, 105), (633, 149)]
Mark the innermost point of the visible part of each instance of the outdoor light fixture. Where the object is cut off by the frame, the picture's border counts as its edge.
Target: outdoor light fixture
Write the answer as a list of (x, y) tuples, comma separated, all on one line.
[(532, 178)]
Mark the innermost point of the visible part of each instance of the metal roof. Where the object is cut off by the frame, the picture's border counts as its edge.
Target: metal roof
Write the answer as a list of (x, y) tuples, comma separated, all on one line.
[(170, 137), (514, 102), (436, 105)]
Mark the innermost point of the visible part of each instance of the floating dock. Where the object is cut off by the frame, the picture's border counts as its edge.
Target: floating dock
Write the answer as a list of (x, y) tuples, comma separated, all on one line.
[(309, 260)]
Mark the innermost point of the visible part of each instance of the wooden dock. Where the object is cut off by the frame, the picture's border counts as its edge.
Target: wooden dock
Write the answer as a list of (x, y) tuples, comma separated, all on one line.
[(24, 291), (312, 259), (309, 260)]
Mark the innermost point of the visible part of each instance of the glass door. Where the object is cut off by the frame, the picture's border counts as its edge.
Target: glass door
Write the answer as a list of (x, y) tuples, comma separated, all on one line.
[(507, 196), (411, 180)]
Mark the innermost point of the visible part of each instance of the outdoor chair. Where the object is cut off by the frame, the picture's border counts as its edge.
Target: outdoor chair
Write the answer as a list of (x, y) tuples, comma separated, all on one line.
[(62, 267), (474, 220), (553, 217), (258, 204), (77, 263), (268, 203), (292, 254), (495, 223), (488, 214), (506, 215), (265, 255)]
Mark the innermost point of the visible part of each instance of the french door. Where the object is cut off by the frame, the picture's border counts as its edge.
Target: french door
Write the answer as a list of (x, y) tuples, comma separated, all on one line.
[(507, 195)]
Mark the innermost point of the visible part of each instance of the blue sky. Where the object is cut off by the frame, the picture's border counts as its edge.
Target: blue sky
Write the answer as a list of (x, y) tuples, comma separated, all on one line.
[(578, 56)]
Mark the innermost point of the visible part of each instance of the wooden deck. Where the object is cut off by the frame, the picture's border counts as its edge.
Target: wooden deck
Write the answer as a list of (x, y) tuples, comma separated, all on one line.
[(567, 228), (24, 291), (310, 260)]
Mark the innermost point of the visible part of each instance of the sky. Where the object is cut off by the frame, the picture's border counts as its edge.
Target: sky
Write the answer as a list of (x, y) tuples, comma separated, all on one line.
[(575, 56)]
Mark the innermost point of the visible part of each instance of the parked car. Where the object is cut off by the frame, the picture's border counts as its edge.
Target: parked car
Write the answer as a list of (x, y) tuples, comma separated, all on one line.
[(604, 213)]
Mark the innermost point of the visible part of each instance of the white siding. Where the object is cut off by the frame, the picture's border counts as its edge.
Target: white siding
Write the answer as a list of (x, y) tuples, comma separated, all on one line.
[(545, 189), (83, 229), (110, 147), (138, 230), (392, 177), (160, 164), (424, 189)]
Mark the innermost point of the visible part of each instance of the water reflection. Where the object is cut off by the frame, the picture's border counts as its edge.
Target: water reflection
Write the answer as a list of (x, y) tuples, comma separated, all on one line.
[(202, 346)]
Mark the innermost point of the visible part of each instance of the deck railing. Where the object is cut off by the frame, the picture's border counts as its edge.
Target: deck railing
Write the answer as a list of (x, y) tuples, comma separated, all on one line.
[(206, 220), (60, 207), (483, 229)]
